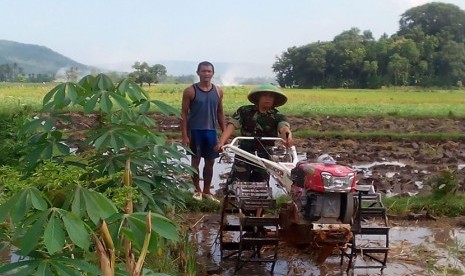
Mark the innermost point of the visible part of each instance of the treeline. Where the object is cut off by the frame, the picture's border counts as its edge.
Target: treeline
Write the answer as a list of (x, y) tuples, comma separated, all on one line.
[(428, 50), (14, 73)]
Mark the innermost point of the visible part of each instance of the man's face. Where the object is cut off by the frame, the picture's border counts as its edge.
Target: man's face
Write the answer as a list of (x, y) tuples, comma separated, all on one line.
[(266, 99), (205, 73)]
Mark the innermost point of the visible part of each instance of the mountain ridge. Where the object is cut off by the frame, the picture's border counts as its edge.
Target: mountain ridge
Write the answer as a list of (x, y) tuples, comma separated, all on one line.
[(37, 59)]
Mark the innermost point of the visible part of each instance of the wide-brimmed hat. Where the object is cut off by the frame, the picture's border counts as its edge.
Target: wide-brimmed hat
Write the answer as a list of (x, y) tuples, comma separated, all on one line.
[(279, 97)]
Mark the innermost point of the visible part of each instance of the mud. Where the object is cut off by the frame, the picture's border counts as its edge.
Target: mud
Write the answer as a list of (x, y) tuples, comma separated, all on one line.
[(395, 166), (416, 248)]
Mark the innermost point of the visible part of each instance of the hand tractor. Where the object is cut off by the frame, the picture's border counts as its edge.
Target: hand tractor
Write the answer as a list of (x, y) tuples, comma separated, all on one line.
[(323, 206)]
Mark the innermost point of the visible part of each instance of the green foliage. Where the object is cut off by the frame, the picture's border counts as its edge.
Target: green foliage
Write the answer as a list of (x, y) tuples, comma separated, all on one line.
[(204, 206), (428, 50), (11, 182), (66, 203), (445, 183), (12, 146), (449, 205), (147, 74), (285, 198)]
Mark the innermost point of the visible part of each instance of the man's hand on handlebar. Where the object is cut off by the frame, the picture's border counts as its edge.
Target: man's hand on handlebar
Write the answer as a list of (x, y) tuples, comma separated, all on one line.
[(219, 147), (287, 139)]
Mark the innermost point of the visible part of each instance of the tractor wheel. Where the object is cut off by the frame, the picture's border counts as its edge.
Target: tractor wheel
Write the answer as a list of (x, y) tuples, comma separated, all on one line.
[(347, 208)]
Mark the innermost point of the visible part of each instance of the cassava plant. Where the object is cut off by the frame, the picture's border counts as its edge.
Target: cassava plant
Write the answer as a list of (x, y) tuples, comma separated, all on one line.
[(88, 226)]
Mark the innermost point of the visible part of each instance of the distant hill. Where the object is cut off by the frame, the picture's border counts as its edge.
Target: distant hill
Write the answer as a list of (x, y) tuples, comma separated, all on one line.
[(35, 59)]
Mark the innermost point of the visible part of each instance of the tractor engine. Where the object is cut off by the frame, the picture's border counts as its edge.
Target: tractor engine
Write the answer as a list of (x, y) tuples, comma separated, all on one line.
[(323, 191)]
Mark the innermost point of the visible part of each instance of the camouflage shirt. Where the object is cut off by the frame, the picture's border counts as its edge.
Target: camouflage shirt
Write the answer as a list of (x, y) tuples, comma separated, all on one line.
[(252, 123)]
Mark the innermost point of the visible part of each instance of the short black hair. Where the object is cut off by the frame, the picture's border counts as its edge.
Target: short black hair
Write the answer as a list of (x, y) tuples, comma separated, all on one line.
[(205, 63)]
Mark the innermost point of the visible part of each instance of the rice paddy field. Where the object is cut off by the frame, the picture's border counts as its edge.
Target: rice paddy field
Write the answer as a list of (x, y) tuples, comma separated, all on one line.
[(398, 102)]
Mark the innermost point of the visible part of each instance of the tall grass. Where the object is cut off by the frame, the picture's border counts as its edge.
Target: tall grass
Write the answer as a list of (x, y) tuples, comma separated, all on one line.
[(400, 102)]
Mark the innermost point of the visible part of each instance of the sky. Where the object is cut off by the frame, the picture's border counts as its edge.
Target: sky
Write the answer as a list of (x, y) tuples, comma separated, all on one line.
[(116, 33)]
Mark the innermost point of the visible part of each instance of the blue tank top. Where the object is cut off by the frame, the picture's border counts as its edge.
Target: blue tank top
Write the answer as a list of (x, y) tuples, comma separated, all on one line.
[(203, 109)]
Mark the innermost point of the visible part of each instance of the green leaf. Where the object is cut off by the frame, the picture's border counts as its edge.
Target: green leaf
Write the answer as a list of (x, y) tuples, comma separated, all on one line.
[(105, 103), (43, 269), (63, 148), (72, 92), (102, 140), (146, 121), (20, 207), (31, 126), (47, 153), (31, 239), (122, 87), (5, 208), (144, 107), (89, 106), (129, 139), (92, 207), (132, 236), (54, 236), (160, 224), (37, 199), (39, 138), (59, 97), (76, 230), (135, 232), (48, 97), (29, 264), (103, 82), (115, 142), (62, 269), (165, 108), (105, 205), (48, 124), (82, 265), (164, 227), (86, 82), (135, 92), (121, 101), (78, 205)]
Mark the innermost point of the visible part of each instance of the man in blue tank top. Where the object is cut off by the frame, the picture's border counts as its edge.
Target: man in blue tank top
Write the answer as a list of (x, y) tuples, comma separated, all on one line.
[(202, 113)]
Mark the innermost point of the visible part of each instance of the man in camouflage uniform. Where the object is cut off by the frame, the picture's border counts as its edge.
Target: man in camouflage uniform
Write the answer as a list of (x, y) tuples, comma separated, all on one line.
[(261, 119)]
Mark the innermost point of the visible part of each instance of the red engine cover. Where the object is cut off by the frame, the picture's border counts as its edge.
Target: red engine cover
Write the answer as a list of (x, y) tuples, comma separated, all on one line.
[(314, 180)]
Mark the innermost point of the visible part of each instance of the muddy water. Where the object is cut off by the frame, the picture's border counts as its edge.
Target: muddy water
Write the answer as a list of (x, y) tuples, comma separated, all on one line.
[(414, 250)]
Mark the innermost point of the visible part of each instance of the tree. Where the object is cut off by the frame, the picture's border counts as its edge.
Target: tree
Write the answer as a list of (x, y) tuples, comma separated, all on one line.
[(450, 63), (427, 50), (284, 68), (436, 19), (147, 74), (398, 68), (72, 74), (10, 72), (345, 61)]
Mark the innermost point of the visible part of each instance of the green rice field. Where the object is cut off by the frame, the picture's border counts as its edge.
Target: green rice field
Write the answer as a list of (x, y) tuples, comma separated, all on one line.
[(401, 102)]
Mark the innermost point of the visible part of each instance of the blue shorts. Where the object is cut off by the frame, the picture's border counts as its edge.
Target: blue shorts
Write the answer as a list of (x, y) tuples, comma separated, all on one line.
[(203, 142)]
